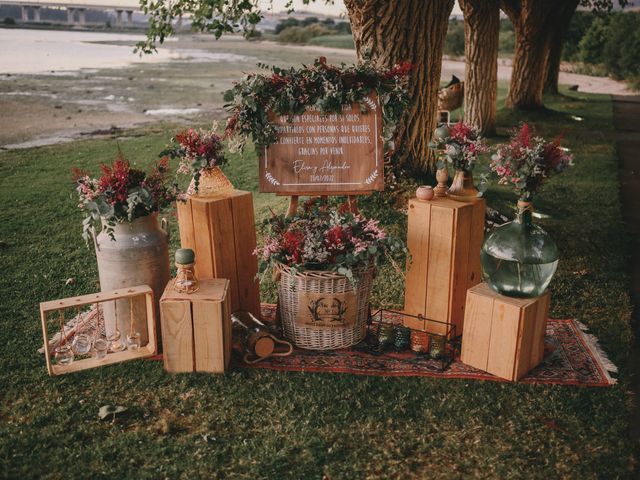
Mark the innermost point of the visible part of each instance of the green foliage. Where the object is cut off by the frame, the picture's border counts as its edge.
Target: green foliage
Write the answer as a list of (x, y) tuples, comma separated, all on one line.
[(303, 35), (592, 45), (291, 30), (454, 41), (334, 41), (288, 92)]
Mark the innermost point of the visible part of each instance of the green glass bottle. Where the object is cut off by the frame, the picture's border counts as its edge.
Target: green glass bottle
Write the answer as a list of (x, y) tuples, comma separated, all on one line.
[(519, 258)]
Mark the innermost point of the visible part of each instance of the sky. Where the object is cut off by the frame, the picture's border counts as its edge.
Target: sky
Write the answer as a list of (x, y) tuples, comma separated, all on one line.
[(319, 6)]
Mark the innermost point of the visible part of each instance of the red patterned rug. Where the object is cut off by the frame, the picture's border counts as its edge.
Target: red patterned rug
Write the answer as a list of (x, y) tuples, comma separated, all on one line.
[(572, 357)]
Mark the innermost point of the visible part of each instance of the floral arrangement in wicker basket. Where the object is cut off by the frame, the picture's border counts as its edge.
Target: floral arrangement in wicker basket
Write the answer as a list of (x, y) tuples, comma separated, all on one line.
[(325, 263)]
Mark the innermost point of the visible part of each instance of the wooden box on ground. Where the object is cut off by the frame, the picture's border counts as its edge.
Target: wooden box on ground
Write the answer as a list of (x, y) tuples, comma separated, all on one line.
[(444, 238), (504, 336), (197, 328), (221, 231)]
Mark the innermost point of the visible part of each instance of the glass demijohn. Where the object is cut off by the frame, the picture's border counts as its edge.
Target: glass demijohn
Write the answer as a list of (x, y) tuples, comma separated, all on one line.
[(519, 258)]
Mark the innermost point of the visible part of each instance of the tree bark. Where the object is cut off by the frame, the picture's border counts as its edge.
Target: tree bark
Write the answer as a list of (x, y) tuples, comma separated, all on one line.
[(481, 32), (532, 21), (562, 19), (413, 31)]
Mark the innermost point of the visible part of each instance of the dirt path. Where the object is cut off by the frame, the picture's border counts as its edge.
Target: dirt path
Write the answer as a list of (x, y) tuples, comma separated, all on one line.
[(626, 112)]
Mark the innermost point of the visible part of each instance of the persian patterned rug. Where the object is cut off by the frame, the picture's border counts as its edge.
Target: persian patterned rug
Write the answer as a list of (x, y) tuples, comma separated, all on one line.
[(572, 357)]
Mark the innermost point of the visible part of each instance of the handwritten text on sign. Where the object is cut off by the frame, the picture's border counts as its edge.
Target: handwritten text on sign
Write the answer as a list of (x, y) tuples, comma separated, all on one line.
[(322, 154)]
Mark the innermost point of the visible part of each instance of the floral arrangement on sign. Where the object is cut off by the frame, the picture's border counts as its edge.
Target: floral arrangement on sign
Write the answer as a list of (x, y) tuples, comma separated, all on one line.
[(527, 161), (122, 193), (320, 239), (461, 144), (321, 86), (198, 150)]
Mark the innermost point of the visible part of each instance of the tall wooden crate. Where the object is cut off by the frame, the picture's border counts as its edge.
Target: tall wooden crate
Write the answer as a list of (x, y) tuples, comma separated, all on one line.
[(197, 328), (221, 232), (444, 238), (504, 336)]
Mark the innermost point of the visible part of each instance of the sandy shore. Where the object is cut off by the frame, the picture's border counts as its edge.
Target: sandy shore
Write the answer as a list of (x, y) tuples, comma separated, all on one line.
[(81, 84)]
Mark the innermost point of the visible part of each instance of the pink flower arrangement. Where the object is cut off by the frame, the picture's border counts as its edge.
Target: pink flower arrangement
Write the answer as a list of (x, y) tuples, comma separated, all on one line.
[(122, 193), (197, 149), (527, 161), (319, 239), (463, 146)]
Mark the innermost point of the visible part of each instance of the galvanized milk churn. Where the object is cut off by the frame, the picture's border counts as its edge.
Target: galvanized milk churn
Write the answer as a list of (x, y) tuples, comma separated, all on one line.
[(139, 255)]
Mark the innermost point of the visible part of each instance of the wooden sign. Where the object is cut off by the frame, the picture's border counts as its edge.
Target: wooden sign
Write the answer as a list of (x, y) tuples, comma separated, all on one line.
[(327, 310), (337, 154)]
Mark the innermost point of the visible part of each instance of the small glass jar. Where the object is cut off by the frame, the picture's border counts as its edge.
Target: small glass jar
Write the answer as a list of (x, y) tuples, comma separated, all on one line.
[(115, 342), (133, 341), (100, 348), (436, 347), (64, 355), (81, 344)]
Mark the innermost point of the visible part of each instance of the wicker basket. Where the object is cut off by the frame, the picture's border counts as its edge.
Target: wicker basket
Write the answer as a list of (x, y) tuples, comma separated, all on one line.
[(293, 285)]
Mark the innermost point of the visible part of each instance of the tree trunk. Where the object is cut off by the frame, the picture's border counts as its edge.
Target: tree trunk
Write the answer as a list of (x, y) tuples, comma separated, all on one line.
[(562, 18), (413, 31), (481, 31), (531, 21)]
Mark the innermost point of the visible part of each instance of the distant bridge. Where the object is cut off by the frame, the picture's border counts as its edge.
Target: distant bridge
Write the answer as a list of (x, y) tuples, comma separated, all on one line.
[(76, 9)]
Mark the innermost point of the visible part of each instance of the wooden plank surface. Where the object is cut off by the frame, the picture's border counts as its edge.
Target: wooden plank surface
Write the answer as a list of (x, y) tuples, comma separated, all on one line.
[(185, 225), (205, 261), (177, 337), (439, 266), (477, 334), (244, 231), (208, 334), (418, 246), (458, 276), (476, 239), (505, 326), (330, 153)]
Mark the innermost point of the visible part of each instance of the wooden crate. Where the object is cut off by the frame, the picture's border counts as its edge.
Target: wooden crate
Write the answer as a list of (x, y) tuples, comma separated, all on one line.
[(504, 336), (444, 238), (221, 231), (143, 292), (197, 328)]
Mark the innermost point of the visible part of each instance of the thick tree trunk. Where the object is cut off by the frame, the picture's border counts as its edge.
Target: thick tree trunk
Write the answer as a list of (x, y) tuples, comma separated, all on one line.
[(531, 22), (537, 25), (413, 31), (562, 19), (481, 31)]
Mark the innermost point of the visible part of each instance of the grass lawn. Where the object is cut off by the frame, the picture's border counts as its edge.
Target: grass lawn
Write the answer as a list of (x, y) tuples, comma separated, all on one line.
[(261, 424)]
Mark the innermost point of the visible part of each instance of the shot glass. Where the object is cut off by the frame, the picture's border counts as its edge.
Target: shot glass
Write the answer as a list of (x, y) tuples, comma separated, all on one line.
[(133, 341), (100, 348)]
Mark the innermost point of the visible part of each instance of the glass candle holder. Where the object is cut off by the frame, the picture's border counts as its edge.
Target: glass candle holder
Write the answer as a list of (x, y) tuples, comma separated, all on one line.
[(100, 348), (133, 341), (115, 342), (64, 355), (436, 349), (186, 281), (81, 344)]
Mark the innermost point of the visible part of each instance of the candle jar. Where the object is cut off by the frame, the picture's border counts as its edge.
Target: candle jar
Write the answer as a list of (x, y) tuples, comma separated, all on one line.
[(115, 342), (186, 281), (81, 344), (436, 349), (402, 337), (386, 334), (64, 355), (100, 348), (133, 341), (419, 341)]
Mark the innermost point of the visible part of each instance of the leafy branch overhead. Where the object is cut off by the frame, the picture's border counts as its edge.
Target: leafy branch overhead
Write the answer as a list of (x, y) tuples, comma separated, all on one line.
[(327, 88), (214, 16)]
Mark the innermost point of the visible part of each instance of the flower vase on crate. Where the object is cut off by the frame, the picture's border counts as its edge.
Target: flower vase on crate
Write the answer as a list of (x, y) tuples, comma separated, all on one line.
[(132, 247), (519, 258), (459, 145)]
